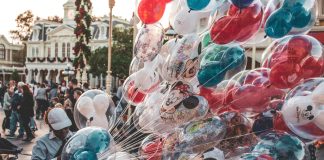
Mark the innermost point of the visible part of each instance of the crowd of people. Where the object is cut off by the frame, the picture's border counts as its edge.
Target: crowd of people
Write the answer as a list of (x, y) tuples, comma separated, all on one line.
[(23, 102), (49, 102)]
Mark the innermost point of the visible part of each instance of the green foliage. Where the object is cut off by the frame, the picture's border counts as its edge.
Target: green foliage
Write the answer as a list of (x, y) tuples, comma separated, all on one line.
[(15, 76), (121, 55), (24, 26)]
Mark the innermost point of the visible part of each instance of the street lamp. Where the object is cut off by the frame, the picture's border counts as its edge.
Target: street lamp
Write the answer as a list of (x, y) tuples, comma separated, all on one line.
[(68, 71), (108, 79)]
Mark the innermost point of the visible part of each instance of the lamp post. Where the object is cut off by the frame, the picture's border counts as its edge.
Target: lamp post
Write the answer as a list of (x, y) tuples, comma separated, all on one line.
[(108, 79), (68, 71)]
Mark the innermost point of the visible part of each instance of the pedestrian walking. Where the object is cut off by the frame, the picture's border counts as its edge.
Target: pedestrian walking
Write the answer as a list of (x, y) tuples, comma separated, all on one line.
[(15, 117), (26, 111), (7, 109), (41, 100)]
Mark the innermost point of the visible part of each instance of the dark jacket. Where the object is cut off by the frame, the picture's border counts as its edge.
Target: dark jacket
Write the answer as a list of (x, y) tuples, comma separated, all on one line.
[(16, 100), (27, 106)]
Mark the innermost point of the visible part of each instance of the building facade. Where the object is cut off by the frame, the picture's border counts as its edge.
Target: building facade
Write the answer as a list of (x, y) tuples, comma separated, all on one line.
[(11, 58), (50, 47)]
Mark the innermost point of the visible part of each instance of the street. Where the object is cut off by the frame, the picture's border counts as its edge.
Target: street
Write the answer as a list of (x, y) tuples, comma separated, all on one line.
[(27, 146)]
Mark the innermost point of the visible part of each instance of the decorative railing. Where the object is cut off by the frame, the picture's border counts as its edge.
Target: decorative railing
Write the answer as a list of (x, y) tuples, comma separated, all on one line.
[(51, 59), (33, 59)]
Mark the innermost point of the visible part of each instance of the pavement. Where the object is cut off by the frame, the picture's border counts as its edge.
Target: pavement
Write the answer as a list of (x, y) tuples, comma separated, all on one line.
[(27, 146)]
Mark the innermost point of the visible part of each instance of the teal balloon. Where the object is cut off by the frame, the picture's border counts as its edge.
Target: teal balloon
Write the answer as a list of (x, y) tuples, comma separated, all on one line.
[(98, 141), (217, 61), (85, 155), (212, 74), (291, 3), (301, 17), (206, 40), (197, 4), (279, 24)]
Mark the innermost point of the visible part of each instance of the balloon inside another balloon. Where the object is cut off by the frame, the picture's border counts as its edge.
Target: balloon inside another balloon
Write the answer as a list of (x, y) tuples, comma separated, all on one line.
[(135, 65), (148, 42), (303, 109), (183, 62), (151, 11), (292, 18), (301, 56), (151, 147), (89, 143), (238, 129), (201, 135), (219, 62), (181, 105), (147, 114), (94, 108), (281, 145), (146, 80), (209, 154), (246, 96), (238, 26), (132, 94)]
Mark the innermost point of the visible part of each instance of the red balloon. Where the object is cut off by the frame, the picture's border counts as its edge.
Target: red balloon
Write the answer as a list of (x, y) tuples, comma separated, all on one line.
[(135, 95), (215, 99), (279, 123), (153, 150), (225, 30), (285, 75), (298, 48), (151, 11), (312, 67), (239, 24)]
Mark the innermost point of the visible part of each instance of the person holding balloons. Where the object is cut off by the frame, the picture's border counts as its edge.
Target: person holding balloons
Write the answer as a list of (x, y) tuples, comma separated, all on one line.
[(51, 144)]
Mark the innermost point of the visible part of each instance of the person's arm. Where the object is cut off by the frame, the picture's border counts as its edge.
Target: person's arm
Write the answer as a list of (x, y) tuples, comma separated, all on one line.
[(39, 151), (6, 99)]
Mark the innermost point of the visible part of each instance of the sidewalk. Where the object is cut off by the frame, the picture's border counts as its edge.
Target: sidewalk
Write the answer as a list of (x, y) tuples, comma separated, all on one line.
[(27, 146)]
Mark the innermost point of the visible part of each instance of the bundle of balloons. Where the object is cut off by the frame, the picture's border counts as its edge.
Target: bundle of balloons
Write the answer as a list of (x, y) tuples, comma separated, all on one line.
[(193, 95)]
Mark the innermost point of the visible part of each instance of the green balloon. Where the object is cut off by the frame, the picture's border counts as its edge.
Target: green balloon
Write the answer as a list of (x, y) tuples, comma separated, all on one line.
[(206, 40)]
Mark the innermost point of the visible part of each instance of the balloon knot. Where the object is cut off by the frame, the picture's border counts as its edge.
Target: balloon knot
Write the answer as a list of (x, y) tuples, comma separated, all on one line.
[(189, 10), (265, 36)]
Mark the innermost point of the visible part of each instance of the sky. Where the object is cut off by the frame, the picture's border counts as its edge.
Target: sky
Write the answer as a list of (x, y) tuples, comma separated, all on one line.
[(44, 8)]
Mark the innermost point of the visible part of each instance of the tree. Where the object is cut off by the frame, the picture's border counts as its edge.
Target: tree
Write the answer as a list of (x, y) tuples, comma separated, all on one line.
[(121, 55), (15, 76), (55, 19), (24, 26)]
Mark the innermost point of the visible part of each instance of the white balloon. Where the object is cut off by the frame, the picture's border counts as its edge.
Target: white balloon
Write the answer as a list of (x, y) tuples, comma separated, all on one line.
[(86, 107), (101, 105), (185, 22)]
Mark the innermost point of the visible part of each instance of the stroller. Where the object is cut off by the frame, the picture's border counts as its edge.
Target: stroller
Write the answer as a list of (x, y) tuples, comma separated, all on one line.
[(9, 149)]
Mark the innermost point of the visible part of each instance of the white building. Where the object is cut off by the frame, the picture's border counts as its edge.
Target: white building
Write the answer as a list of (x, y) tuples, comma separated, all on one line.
[(11, 58), (50, 47)]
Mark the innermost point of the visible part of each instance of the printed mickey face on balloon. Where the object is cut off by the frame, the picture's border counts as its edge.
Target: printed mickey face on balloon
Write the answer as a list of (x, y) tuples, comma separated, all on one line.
[(148, 42), (181, 105), (302, 112), (182, 63)]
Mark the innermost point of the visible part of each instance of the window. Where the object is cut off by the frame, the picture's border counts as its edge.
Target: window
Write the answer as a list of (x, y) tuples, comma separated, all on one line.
[(49, 52), (56, 49), (63, 50), (8, 55), (2, 53), (68, 47), (37, 52), (33, 52)]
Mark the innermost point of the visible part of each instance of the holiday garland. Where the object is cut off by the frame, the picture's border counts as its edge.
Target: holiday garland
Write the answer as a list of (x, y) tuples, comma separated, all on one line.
[(31, 59), (41, 59), (61, 60), (82, 31), (51, 59)]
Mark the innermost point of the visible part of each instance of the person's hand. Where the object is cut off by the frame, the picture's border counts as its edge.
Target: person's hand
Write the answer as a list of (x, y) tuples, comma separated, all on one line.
[(18, 107)]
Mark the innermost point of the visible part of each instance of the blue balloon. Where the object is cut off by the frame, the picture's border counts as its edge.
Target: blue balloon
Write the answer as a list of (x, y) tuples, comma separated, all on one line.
[(301, 17), (97, 141), (85, 155), (197, 4), (242, 3), (217, 61), (279, 23), (291, 3), (212, 74)]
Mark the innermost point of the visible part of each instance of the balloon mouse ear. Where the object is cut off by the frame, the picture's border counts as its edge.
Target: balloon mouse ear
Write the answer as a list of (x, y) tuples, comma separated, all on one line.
[(191, 102)]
